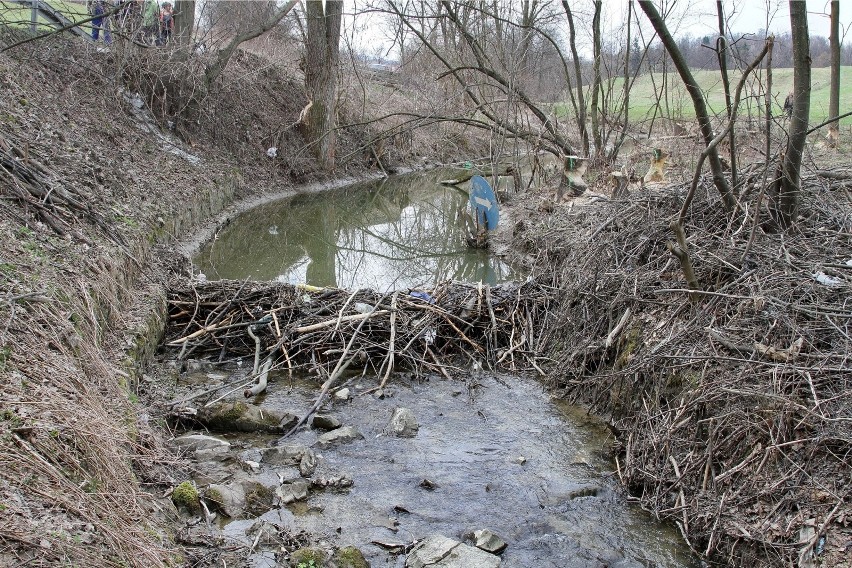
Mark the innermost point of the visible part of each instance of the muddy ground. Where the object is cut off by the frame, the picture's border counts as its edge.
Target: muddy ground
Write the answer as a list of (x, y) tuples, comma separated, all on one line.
[(744, 443)]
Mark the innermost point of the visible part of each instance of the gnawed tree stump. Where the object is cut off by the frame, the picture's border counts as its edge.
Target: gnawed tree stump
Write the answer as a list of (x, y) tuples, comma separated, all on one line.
[(659, 167)]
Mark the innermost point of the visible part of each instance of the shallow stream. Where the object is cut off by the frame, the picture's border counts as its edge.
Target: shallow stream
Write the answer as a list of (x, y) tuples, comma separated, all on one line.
[(492, 452), (498, 453)]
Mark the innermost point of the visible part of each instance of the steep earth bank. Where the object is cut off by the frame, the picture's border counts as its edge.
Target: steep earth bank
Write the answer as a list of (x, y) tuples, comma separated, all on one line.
[(94, 193)]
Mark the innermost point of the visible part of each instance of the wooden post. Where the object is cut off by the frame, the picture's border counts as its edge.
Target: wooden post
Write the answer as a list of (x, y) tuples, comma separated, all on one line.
[(34, 17)]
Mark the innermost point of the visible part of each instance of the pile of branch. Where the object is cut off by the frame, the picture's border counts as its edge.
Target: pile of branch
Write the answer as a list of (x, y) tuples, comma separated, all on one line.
[(733, 398), (305, 329), (36, 187)]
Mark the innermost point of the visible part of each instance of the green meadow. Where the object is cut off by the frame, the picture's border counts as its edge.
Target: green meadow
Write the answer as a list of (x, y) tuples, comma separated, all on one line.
[(16, 15), (643, 95)]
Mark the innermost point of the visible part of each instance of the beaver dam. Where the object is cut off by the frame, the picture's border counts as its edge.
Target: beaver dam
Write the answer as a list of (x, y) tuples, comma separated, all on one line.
[(400, 422)]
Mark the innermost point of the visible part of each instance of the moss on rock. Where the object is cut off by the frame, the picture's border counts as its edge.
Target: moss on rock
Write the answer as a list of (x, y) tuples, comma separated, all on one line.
[(349, 557), (308, 558), (186, 495), (238, 416), (259, 498)]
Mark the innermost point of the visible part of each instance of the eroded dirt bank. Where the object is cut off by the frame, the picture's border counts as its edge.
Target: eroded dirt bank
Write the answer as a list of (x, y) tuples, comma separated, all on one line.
[(93, 194)]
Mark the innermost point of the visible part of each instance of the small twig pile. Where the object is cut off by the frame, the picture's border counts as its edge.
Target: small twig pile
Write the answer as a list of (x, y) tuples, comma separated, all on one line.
[(454, 324), (36, 186), (735, 407)]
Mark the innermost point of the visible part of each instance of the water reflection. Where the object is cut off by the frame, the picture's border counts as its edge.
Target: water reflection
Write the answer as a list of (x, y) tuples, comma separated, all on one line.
[(400, 232)]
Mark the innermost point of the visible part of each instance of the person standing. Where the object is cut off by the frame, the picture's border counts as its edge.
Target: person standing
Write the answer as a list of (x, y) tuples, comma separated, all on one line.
[(151, 22), (167, 22), (101, 22)]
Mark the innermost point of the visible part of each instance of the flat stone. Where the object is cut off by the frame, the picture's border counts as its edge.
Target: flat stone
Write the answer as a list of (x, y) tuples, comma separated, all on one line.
[(239, 416), (226, 499), (429, 551), (285, 455), (342, 435), (442, 552), (464, 556), (195, 442), (342, 394), (251, 454), (403, 423), (489, 542), (291, 492), (325, 422)]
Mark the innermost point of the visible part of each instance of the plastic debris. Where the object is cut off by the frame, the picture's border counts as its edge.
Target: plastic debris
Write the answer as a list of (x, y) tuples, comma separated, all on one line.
[(422, 296), (827, 280), (272, 152)]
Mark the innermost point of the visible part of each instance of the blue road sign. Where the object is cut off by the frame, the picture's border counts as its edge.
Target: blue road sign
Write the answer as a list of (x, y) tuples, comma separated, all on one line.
[(483, 203)]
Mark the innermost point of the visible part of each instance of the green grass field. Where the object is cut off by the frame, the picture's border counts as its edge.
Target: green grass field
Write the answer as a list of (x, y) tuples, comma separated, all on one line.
[(643, 94), (13, 14)]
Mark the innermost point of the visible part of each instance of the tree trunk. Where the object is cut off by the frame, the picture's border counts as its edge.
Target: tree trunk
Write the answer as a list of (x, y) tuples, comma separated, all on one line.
[(212, 71), (184, 21), (626, 121), (722, 53), (596, 76), (581, 103), (834, 95), (322, 53), (697, 96), (791, 180)]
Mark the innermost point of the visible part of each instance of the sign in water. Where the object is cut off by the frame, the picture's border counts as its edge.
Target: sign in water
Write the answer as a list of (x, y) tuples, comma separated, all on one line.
[(483, 203)]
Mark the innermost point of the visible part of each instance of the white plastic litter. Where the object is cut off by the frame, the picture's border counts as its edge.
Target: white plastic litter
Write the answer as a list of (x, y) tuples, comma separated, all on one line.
[(827, 280), (272, 152)]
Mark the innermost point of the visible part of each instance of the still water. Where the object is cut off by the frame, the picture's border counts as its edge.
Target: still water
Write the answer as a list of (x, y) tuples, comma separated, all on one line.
[(395, 233)]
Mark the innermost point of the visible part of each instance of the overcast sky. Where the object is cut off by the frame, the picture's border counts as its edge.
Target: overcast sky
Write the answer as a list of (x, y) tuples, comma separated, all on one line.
[(694, 17), (750, 16)]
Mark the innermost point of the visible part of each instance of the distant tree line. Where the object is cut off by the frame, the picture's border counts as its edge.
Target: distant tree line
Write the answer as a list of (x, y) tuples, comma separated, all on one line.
[(698, 51)]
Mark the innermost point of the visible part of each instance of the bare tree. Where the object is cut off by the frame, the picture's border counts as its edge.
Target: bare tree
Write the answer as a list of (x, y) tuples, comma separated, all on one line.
[(697, 96), (834, 96), (788, 198), (596, 76), (322, 53), (722, 54), (580, 107), (184, 20), (212, 71)]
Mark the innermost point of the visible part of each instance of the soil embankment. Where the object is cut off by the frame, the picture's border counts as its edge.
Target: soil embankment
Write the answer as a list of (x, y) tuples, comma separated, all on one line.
[(94, 192)]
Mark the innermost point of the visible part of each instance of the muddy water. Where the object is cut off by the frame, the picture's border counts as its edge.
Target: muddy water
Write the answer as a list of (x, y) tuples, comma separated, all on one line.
[(400, 232), (501, 455)]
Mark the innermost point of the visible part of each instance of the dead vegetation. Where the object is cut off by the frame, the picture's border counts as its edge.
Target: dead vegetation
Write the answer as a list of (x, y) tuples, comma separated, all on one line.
[(448, 330), (734, 407)]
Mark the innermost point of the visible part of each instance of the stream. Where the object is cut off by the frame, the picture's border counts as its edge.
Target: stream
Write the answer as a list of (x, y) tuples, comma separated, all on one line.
[(492, 452), (394, 233)]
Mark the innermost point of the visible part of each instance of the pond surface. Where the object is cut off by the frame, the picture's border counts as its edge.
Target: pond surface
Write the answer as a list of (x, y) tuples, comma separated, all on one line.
[(502, 455), (395, 233)]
